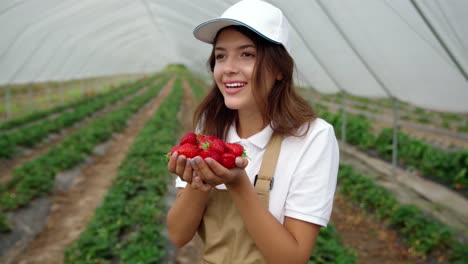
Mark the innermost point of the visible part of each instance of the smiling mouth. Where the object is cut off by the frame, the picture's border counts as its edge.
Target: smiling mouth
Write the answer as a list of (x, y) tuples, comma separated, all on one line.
[(235, 85)]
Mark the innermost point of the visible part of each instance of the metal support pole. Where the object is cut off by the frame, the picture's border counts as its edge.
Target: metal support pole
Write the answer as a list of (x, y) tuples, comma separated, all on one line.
[(83, 90), (31, 100), (441, 41), (343, 119), (49, 99), (8, 102), (395, 137), (62, 92)]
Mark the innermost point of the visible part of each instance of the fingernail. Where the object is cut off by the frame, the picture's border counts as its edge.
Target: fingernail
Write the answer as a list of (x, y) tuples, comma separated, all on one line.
[(239, 161), (181, 159), (196, 160), (175, 154)]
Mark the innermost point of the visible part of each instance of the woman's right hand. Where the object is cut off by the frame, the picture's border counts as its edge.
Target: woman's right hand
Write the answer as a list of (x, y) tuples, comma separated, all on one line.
[(180, 166)]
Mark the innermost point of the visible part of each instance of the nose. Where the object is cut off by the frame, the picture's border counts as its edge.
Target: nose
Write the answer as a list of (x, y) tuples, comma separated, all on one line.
[(231, 66)]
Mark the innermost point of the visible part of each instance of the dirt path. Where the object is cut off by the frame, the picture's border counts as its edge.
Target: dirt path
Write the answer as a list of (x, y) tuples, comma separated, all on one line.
[(190, 253), (437, 200), (72, 210), (373, 242), (7, 166)]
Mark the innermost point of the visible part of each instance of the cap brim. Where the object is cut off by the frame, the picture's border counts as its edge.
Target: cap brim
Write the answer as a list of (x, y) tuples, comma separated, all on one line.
[(207, 30)]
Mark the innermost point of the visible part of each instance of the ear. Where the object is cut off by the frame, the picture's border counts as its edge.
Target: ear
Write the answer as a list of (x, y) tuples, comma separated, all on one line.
[(279, 76)]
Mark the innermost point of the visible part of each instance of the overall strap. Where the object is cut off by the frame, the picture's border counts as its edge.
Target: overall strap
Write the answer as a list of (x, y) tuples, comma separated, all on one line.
[(264, 179)]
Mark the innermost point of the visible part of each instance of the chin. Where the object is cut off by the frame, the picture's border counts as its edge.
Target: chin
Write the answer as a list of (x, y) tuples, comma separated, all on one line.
[(231, 105)]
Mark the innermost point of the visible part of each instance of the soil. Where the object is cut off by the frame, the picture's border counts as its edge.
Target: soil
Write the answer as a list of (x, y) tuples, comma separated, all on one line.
[(190, 253), (73, 206), (70, 211), (7, 165), (373, 242)]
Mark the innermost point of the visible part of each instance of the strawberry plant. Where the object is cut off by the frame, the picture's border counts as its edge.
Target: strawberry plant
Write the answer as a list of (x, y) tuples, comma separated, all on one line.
[(36, 177), (32, 135), (129, 226), (198, 91), (448, 167), (37, 115), (422, 232), (329, 249)]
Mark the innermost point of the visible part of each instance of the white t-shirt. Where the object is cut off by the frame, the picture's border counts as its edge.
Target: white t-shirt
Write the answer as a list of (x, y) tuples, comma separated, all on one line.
[(305, 175)]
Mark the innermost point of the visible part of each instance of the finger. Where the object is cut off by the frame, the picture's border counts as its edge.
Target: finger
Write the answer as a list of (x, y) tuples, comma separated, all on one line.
[(188, 172), (180, 167), (201, 168), (200, 185), (195, 183), (217, 168), (241, 162), (171, 165), (205, 187)]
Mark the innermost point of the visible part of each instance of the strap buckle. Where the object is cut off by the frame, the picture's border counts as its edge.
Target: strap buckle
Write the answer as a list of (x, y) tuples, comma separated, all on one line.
[(271, 182)]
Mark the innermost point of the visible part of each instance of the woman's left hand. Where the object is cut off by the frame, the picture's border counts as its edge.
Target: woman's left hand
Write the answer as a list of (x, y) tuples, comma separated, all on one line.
[(213, 173)]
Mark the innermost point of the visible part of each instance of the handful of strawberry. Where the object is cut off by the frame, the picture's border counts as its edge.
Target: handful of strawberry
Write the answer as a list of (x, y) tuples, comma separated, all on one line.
[(192, 145)]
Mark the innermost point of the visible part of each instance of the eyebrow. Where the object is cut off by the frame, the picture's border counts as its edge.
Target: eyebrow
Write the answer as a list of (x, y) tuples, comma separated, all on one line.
[(239, 48)]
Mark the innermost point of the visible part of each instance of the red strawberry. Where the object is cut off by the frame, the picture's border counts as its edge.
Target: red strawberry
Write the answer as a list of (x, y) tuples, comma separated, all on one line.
[(174, 149), (188, 150), (236, 149), (210, 154), (212, 143), (228, 160), (200, 137), (190, 138)]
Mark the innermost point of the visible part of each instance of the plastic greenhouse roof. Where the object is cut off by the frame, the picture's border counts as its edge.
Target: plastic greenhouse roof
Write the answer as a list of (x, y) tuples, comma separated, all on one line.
[(412, 50)]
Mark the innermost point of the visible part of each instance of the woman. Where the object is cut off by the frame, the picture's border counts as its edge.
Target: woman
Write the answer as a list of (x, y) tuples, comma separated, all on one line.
[(270, 207)]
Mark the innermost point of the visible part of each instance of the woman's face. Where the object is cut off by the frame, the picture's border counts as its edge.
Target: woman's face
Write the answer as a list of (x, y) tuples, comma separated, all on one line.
[(235, 57)]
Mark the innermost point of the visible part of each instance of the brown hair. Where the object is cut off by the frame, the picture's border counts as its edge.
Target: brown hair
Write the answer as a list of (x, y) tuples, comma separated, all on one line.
[(283, 107)]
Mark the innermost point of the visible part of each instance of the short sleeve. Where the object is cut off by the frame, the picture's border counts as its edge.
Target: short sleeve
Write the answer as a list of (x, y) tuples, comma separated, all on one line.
[(179, 183), (310, 195)]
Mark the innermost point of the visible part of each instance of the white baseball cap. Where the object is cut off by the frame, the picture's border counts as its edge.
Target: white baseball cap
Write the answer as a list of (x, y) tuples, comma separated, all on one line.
[(261, 17)]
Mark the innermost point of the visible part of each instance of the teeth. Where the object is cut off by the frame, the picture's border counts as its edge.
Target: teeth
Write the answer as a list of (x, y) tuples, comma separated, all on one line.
[(234, 85)]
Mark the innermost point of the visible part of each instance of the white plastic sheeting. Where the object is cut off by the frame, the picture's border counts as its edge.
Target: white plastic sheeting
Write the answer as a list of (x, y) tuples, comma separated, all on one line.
[(412, 50)]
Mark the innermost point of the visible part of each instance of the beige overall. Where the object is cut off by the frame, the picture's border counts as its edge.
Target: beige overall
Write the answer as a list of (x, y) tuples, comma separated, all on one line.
[(222, 230)]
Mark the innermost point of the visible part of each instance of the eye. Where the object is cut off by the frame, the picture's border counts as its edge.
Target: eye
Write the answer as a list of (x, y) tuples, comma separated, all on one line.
[(247, 54), (219, 56)]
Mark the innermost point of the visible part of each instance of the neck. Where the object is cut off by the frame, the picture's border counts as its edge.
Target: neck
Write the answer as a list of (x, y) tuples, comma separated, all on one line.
[(249, 124)]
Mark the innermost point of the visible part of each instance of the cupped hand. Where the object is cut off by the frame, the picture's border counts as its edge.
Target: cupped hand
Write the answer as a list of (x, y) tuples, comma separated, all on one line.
[(213, 173), (180, 166)]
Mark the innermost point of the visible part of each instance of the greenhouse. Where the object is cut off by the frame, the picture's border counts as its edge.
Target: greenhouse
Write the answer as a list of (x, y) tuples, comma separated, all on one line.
[(94, 94)]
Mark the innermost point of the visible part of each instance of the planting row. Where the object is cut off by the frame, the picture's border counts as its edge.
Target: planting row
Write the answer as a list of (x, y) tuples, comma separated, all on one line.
[(129, 225), (20, 121), (453, 121), (197, 90), (448, 167), (32, 135), (329, 249), (36, 177), (422, 233)]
